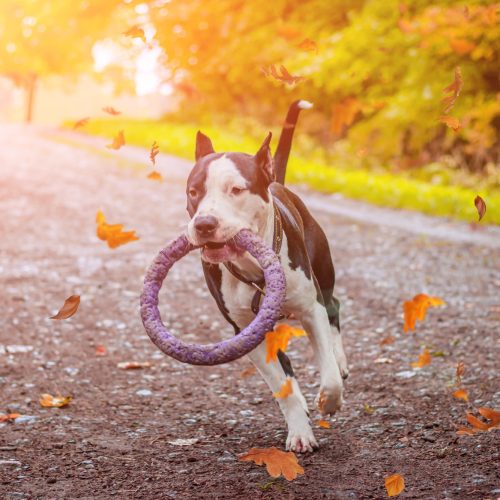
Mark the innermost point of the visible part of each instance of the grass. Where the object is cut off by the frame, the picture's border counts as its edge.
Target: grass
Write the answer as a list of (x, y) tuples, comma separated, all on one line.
[(384, 189)]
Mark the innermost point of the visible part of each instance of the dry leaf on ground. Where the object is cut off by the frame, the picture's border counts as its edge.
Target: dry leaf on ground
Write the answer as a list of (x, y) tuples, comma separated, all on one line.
[(478, 425), (111, 111), (278, 339), (9, 417), (277, 462), (286, 389), (48, 401), (480, 206), (133, 365), (423, 359), (394, 485), (323, 423), (416, 309), (69, 307), (461, 394), (155, 149), (155, 176)]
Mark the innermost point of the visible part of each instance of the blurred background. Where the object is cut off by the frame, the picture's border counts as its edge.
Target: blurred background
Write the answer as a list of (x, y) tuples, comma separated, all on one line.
[(375, 70)]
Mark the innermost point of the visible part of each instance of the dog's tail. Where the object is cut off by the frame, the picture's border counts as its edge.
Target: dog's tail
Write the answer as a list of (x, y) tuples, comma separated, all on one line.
[(285, 142)]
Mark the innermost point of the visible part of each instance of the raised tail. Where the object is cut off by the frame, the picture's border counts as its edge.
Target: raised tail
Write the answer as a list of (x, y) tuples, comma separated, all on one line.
[(285, 142)]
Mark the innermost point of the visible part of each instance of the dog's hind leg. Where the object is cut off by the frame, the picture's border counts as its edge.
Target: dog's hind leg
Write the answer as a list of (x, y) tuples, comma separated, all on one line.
[(294, 407)]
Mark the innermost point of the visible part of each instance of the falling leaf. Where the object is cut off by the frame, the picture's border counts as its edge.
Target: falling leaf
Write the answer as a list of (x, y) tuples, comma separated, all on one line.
[(383, 361), (416, 308), (454, 90), (155, 149), (461, 46), (155, 176), (248, 372), (277, 462), (118, 141), (286, 389), (48, 401), (133, 365), (9, 417), (282, 75), (278, 339), (100, 350), (113, 234), (368, 409), (69, 308), (112, 111), (451, 122), (135, 32), (460, 370), (461, 394), (387, 340), (480, 206), (423, 359), (343, 114), (308, 45), (394, 485), (81, 123), (324, 424)]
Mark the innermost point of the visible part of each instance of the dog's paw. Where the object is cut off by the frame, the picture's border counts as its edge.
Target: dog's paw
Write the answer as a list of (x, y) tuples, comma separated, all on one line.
[(302, 441), (329, 400), (344, 369)]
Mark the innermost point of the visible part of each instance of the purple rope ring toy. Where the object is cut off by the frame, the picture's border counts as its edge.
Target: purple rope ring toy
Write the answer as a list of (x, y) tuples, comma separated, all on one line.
[(227, 350)]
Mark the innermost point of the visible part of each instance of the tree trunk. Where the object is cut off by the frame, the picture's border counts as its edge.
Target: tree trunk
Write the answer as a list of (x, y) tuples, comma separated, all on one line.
[(30, 88)]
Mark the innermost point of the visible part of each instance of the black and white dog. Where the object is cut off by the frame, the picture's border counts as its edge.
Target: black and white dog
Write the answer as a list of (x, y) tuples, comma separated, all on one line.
[(227, 192)]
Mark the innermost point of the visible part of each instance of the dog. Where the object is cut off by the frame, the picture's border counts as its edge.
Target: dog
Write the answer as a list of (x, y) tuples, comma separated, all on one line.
[(227, 192)]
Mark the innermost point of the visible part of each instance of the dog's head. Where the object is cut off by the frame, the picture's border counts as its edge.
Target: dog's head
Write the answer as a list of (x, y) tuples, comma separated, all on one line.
[(227, 192)]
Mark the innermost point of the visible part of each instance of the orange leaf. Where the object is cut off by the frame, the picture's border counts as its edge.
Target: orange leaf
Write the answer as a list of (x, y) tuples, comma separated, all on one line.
[(461, 394), (416, 308), (248, 372), (100, 350), (9, 417), (281, 75), (324, 424), (118, 141), (133, 365), (286, 389), (423, 359), (48, 401), (69, 307), (135, 32), (278, 339), (475, 422), (469, 431), (277, 462), (308, 45), (81, 123), (112, 234), (461, 46), (387, 340), (155, 149), (460, 369), (155, 176), (343, 114), (394, 485), (492, 415), (112, 111), (454, 90), (480, 206), (451, 122)]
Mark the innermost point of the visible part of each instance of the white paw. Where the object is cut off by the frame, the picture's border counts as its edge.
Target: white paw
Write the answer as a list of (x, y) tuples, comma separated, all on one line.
[(329, 400), (301, 441), (344, 369)]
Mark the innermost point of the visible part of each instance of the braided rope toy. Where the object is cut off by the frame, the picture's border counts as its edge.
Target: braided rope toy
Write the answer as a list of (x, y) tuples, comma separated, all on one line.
[(227, 350)]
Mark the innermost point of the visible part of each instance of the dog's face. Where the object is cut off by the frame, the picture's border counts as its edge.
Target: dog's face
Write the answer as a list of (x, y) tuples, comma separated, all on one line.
[(227, 192)]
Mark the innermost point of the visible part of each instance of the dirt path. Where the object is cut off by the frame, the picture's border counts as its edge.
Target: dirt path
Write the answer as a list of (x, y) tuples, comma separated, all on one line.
[(114, 439)]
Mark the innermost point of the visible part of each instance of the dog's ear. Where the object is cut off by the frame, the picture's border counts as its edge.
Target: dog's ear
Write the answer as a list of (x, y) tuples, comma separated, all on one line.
[(203, 146), (264, 159)]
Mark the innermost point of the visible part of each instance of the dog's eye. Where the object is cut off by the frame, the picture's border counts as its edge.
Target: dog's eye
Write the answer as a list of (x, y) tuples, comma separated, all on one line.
[(237, 190), (192, 192)]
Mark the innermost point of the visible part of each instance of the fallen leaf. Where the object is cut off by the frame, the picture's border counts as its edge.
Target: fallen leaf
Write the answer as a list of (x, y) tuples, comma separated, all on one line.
[(113, 234), (286, 389), (118, 141), (133, 365), (460, 370), (476, 423), (81, 123), (112, 111), (155, 176), (368, 409), (343, 114), (480, 206), (461, 394), (155, 149), (100, 350), (490, 414), (454, 90), (48, 401), (394, 485), (278, 339), (324, 424), (387, 340), (416, 308), (135, 32), (423, 359), (479, 426), (277, 462), (9, 417), (69, 307), (308, 45), (282, 75), (248, 372), (383, 361), (451, 122)]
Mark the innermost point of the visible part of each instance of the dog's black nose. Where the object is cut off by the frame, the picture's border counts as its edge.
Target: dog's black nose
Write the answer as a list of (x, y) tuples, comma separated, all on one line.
[(205, 225)]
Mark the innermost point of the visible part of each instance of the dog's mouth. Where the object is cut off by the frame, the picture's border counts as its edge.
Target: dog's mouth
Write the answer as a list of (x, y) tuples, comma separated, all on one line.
[(217, 252), (213, 245)]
